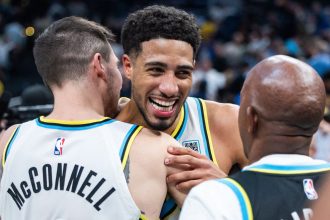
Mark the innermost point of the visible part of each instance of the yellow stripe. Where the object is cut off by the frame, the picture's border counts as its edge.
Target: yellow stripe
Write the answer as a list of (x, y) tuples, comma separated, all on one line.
[(43, 119), (208, 133), (179, 125), (245, 197), (6, 146), (143, 217), (288, 171), (129, 145)]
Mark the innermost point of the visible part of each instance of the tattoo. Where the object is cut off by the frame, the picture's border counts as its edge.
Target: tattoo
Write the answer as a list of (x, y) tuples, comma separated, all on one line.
[(126, 170)]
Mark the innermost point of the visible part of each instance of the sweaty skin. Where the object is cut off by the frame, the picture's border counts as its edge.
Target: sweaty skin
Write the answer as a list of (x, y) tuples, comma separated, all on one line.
[(161, 76), (289, 118)]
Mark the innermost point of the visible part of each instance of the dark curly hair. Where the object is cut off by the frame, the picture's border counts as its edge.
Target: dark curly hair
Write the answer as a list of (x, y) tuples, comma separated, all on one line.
[(159, 21)]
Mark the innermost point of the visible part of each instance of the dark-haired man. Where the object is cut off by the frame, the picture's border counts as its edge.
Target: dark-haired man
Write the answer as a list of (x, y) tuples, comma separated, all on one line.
[(160, 45), (282, 104), (68, 165)]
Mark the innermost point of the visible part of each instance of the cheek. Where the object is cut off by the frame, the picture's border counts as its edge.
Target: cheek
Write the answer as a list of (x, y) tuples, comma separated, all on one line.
[(185, 87)]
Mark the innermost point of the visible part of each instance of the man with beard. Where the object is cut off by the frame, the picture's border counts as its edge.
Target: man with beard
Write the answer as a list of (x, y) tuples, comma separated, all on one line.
[(68, 165), (160, 45)]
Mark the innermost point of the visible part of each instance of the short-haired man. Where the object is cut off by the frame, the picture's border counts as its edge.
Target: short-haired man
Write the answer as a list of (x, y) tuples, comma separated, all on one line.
[(68, 165)]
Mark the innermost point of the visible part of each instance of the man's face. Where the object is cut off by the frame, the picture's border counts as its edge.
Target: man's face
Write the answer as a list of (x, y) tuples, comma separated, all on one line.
[(114, 85), (161, 78)]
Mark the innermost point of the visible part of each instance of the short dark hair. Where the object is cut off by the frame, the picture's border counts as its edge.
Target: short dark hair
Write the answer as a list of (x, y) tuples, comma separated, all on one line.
[(63, 51), (159, 21)]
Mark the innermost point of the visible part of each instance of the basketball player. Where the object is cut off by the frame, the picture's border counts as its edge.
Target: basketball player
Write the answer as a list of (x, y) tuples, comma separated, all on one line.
[(69, 165), (160, 45), (282, 104)]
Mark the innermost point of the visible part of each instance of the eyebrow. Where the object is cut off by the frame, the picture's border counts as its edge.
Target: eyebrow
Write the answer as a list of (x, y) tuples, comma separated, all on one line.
[(155, 63)]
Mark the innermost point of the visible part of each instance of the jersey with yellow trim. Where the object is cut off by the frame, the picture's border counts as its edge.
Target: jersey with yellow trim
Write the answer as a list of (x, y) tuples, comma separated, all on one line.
[(192, 132), (61, 170), (279, 191)]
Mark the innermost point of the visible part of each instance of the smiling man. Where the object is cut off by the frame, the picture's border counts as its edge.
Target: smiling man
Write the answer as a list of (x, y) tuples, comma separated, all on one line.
[(160, 45)]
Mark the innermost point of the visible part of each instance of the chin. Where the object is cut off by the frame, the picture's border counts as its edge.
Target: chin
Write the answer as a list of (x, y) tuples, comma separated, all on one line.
[(161, 126)]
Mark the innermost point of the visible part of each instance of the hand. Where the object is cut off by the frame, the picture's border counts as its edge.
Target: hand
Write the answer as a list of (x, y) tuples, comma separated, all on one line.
[(195, 168)]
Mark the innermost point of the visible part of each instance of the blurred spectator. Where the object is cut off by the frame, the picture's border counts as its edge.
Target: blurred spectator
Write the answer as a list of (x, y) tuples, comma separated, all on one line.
[(234, 32), (205, 77)]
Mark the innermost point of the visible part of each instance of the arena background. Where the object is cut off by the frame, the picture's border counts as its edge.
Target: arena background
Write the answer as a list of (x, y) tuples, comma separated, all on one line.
[(236, 35)]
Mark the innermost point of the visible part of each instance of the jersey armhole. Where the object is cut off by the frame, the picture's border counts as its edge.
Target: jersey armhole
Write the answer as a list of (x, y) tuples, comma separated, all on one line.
[(8, 145), (206, 129), (127, 144)]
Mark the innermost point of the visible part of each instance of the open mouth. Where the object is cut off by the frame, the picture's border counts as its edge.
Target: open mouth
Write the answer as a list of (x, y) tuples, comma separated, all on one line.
[(162, 105)]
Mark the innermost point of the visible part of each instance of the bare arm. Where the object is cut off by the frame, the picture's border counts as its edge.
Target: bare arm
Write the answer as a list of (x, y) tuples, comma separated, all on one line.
[(4, 138), (321, 206), (147, 172), (228, 147)]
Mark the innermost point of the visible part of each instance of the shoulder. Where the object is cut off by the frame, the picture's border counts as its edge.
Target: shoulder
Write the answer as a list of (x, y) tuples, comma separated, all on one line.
[(216, 109), (223, 120), (223, 123), (5, 137), (154, 143)]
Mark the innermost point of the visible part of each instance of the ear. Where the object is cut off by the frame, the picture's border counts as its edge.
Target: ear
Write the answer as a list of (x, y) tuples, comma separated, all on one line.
[(98, 66), (252, 119), (127, 66)]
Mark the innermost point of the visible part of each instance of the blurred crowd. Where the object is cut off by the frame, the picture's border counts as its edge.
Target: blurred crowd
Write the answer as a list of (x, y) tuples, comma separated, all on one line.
[(236, 35)]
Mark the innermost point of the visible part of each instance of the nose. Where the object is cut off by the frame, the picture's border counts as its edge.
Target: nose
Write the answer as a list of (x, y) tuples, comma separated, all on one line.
[(169, 85)]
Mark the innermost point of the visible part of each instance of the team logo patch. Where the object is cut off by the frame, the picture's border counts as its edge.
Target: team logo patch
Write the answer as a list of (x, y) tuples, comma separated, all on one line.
[(58, 150), (309, 189), (192, 144)]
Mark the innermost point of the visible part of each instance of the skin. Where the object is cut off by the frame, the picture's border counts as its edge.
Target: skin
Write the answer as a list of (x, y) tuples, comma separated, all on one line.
[(162, 71), (321, 207), (88, 98), (282, 104)]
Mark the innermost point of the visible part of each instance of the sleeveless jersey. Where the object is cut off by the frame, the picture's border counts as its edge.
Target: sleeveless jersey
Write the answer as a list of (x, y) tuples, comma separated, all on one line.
[(67, 170), (276, 192), (192, 132)]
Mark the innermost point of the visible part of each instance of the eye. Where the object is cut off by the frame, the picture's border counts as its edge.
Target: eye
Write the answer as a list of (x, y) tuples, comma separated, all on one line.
[(183, 74), (155, 70)]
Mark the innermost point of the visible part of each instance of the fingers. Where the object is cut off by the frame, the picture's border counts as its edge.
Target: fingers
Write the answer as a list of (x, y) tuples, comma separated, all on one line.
[(175, 168), (202, 174), (183, 176), (192, 161), (186, 186), (184, 180), (184, 151)]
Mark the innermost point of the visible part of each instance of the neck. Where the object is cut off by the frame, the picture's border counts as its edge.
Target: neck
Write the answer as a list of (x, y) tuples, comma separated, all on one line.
[(131, 114), (74, 103), (278, 145)]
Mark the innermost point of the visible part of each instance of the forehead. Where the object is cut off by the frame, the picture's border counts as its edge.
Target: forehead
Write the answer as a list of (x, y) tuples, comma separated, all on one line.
[(167, 51)]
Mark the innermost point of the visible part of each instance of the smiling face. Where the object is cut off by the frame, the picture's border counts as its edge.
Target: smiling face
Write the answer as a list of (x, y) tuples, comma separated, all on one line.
[(161, 77)]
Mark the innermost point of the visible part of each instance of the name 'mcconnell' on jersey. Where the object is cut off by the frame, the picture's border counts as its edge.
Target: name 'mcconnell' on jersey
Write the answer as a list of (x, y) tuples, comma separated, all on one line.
[(66, 170)]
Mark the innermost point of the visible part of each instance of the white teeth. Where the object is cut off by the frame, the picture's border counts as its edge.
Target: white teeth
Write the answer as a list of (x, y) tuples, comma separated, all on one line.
[(162, 105), (163, 109)]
